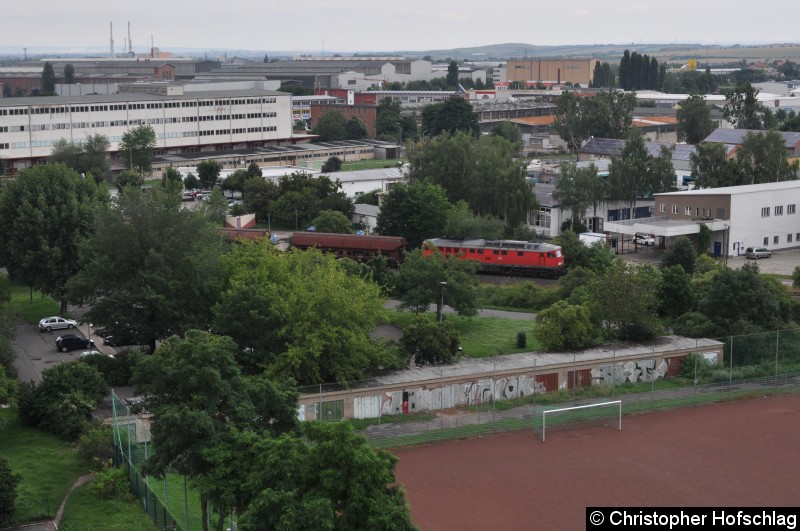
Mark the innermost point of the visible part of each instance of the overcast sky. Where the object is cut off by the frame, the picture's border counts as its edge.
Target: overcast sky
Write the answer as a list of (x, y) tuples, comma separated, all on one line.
[(353, 25)]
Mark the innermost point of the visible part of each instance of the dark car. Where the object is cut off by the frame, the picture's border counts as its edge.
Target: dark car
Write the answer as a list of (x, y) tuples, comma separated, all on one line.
[(69, 342), (118, 339)]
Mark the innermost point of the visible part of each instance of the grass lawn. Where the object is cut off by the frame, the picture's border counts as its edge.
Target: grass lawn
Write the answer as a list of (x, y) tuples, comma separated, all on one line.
[(48, 466), (86, 511), (32, 310), (483, 336)]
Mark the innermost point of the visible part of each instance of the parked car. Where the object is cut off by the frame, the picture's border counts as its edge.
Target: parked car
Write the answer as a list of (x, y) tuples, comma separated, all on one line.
[(644, 239), (69, 342), (55, 323), (757, 252), (117, 340), (89, 353), (187, 196)]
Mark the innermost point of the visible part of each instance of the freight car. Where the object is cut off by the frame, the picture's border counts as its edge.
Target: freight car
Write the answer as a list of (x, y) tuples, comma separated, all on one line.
[(356, 247), (503, 256)]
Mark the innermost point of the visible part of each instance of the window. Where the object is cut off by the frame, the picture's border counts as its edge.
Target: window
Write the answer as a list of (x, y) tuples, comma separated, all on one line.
[(779, 210), (765, 212), (687, 211), (641, 212), (788, 238), (662, 207), (790, 209), (674, 209), (766, 240), (775, 240)]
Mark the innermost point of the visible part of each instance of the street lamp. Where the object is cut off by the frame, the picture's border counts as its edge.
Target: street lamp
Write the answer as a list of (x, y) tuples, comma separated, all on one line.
[(443, 284)]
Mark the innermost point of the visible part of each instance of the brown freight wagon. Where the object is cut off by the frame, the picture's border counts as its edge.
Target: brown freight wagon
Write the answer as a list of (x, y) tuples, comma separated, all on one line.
[(356, 247)]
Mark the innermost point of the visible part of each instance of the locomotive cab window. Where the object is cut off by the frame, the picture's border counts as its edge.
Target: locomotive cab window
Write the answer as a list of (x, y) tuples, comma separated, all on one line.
[(504, 253), (480, 251), (495, 252), (520, 253)]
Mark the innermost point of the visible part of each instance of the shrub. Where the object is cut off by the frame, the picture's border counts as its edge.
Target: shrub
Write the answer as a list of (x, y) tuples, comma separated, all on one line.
[(96, 445), (430, 342), (8, 492), (522, 339), (112, 483), (796, 277), (564, 325)]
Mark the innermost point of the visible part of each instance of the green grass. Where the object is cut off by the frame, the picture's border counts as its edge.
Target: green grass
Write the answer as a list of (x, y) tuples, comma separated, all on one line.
[(85, 510), (362, 424), (178, 504), (31, 309), (48, 466), (483, 336)]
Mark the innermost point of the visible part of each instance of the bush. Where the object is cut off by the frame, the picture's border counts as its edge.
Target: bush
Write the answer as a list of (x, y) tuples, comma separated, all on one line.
[(116, 371), (8, 492), (96, 446), (522, 339), (796, 277), (112, 483), (564, 326), (524, 296), (429, 342)]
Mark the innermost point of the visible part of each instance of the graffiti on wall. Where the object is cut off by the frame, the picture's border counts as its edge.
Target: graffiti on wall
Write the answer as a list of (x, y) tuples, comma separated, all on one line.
[(631, 371)]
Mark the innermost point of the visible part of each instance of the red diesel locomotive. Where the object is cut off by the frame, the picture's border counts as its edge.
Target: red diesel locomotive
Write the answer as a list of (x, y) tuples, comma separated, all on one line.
[(503, 256)]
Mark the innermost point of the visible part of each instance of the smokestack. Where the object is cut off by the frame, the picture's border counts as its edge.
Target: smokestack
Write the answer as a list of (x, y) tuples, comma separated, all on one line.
[(111, 31), (130, 43)]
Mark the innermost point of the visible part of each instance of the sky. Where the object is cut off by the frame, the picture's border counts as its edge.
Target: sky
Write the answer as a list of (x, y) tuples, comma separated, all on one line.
[(359, 25)]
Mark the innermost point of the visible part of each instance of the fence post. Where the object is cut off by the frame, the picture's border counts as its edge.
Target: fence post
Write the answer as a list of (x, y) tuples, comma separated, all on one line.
[(130, 457), (777, 340), (494, 388), (652, 377), (535, 392), (730, 374), (574, 378), (613, 371), (185, 505), (441, 399), (165, 500), (319, 418), (380, 403)]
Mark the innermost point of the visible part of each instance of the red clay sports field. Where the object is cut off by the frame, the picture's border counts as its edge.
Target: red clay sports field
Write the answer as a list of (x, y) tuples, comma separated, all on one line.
[(743, 453)]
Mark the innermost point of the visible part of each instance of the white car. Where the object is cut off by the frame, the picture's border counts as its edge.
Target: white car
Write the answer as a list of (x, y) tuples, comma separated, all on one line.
[(56, 323), (644, 239)]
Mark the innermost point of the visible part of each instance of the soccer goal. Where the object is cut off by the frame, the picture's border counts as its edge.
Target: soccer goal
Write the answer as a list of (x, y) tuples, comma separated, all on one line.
[(568, 418)]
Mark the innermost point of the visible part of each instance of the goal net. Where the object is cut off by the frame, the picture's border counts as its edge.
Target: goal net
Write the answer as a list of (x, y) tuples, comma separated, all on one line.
[(576, 417)]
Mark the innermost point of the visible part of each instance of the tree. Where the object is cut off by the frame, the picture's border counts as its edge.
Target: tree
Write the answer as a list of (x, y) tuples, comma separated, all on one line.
[(136, 148), (636, 174), (331, 126), (430, 342), (680, 253), (235, 181), (761, 158), (150, 267), (355, 129), (451, 116), (191, 182), (48, 79), (254, 170), (258, 195), (675, 293), (329, 478), (69, 74), (62, 404), (742, 108), (87, 158), (299, 315), (208, 172), (415, 211), (438, 279), (624, 299), (608, 114), (694, 120), (463, 223), (571, 122), (711, 167), (196, 394), (391, 125), (171, 175), (602, 76), (44, 214), (129, 179), (564, 326), (510, 132), (8, 492), (332, 221), (332, 165), (573, 190), (452, 74), (302, 196)]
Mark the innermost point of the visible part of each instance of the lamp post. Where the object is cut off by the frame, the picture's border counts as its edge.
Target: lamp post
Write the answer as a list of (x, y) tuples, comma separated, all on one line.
[(443, 284)]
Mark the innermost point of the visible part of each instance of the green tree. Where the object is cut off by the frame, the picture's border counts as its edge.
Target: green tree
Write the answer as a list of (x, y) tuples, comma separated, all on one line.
[(451, 116), (624, 300), (331, 126), (235, 181), (415, 211), (437, 279), (452, 74), (694, 120), (87, 158), (711, 167), (129, 179), (428, 342), (571, 120), (332, 221), (254, 170), (196, 395), (391, 125), (44, 214), (332, 165), (463, 223), (675, 293), (191, 182), (69, 74), (62, 404), (573, 190), (149, 268), (742, 108), (48, 79), (171, 175), (258, 196), (704, 238), (9, 481), (329, 478), (299, 315), (136, 148), (564, 326), (761, 158), (355, 129), (208, 172), (627, 174), (510, 132), (681, 253)]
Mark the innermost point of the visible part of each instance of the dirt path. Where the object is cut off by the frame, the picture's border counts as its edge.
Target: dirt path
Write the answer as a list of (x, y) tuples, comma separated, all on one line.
[(53, 525)]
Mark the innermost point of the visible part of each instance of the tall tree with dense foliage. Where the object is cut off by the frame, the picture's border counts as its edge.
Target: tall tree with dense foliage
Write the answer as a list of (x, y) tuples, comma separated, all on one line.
[(607, 114), (331, 126), (640, 72), (455, 114), (302, 196), (694, 120), (711, 167), (299, 315), (332, 221), (761, 158), (680, 253), (355, 129), (208, 172), (197, 395), (430, 342), (564, 326), (742, 108), (149, 268), (90, 157), (571, 120), (69, 74), (136, 149), (44, 214), (452, 74), (48, 79), (636, 174), (416, 211), (9, 481), (574, 190), (625, 302), (602, 76), (675, 293), (421, 278), (463, 223)]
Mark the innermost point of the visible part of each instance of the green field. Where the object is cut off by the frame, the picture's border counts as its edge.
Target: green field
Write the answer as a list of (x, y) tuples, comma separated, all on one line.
[(31, 306), (85, 510)]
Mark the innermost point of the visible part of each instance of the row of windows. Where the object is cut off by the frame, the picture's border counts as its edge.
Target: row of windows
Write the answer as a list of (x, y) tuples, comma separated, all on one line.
[(776, 240), (126, 123), (212, 132), (702, 213), (778, 210), (134, 106)]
